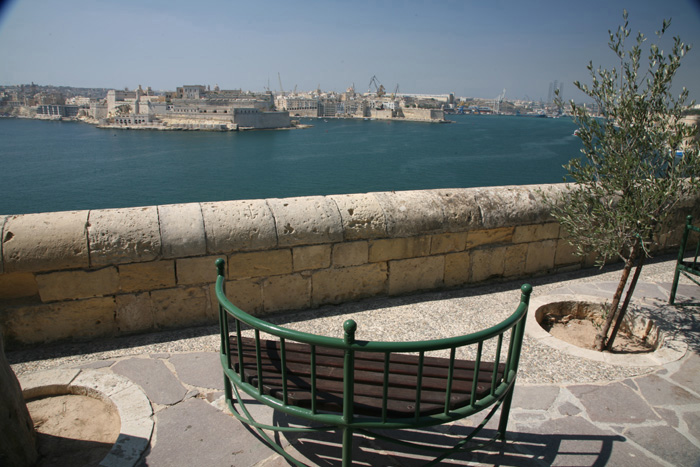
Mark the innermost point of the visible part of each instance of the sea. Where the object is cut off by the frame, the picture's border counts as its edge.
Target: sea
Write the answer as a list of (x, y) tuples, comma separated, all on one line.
[(65, 166)]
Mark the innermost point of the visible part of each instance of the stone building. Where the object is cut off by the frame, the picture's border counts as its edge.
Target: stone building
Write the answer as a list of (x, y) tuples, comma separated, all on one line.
[(194, 107)]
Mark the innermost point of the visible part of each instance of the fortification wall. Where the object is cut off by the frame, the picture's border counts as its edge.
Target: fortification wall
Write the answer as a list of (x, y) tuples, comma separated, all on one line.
[(263, 120), (423, 114), (87, 274)]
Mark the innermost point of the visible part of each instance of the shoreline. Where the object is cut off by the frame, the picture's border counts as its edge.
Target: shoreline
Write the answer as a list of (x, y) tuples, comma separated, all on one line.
[(222, 128)]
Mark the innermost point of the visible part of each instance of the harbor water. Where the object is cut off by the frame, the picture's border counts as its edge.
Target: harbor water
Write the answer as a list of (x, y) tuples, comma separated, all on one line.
[(61, 166)]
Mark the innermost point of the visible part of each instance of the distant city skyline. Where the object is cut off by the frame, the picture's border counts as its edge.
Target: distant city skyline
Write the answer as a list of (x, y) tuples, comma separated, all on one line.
[(471, 48)]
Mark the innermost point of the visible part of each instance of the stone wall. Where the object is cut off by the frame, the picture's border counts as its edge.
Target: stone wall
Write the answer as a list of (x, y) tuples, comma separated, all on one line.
[(423, 114), (261, 120), (87, 274)]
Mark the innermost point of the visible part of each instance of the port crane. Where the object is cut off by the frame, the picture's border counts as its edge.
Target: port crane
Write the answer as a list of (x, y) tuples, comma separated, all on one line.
[(497, 101), (379, 87), (279, 77), (396, 92)]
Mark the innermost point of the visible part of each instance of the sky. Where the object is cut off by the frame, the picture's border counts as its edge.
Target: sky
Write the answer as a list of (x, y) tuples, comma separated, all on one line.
[(473, 48)]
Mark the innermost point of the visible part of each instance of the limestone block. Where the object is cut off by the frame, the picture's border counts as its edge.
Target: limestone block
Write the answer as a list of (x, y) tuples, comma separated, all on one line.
[(182, 230), (260, 264), (134, 313), (513, 205), (306, 221), (516, 260), (350, 254), (540, 256), (487, 263), (71, 285), (200, 270), (565, 254), (182, 306), (457, 268), (238, 226), (75, 319), (448, 243), (536, 232), (136, 277), (128, 235), (362, 216), (246, 294), (411, 213), (460, 208), (398, 248), (349, 283), (311, 257), (17, 285), (44, 242), (411, 275), (591, 259), (477, 238), (98, 384), (47, 382), (286, 293)]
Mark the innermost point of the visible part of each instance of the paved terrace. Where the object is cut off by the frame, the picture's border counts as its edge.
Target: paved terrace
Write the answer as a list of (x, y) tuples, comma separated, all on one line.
[(637, 410)]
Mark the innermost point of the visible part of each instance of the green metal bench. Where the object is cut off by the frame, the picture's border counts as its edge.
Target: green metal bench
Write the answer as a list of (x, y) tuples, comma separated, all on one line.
[(359, 386), (690, 267)]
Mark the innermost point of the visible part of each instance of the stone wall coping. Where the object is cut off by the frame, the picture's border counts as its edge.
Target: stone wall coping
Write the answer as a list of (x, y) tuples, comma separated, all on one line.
[(97, 238)]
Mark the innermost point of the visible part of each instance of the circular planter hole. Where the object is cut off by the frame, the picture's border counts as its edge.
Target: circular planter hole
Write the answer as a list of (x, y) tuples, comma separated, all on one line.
[(82, 396), (578, 322), (74, 429)]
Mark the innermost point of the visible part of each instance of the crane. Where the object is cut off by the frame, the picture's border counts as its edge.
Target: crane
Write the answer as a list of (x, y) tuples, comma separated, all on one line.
[(396, 92), (497, 101), (280, 79), (379, 87)]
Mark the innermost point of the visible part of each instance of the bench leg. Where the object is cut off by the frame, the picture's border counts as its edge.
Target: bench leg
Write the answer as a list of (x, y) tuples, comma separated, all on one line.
[(505, 412), (347, 447), (676, 276), (228, 392)]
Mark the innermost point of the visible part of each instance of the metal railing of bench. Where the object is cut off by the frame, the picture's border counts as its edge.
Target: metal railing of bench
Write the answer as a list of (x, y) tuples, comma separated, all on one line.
[(500, 388), (686, 267)]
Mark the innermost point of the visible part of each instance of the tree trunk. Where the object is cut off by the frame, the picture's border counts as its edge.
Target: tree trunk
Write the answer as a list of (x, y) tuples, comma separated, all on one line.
[(626, 303), (601, 337), (17, 435)]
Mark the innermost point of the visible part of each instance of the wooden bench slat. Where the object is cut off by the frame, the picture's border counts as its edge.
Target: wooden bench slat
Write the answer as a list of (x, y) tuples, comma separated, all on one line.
[(369, 378), (406, 377), (359, 355), (299, 382), (370, 361)]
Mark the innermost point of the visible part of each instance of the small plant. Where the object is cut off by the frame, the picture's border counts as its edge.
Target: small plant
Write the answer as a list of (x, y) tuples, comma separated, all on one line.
[(639, 160)]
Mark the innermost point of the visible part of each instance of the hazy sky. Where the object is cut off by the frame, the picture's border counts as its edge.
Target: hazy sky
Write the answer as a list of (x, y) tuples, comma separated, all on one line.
[(469, 47)]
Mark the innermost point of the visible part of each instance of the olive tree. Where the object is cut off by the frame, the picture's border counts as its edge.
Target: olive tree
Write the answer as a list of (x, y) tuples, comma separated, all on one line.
[(639, 160)]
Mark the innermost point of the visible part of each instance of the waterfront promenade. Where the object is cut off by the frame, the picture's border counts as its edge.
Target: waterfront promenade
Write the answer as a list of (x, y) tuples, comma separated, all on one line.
[(567, 410)]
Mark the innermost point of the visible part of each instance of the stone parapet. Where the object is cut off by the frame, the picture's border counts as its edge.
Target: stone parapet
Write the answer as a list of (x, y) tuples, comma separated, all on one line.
[(90, 274)]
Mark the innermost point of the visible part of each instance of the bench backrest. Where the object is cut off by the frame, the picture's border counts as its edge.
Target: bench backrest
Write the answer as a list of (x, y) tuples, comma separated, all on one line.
[(504, 350)]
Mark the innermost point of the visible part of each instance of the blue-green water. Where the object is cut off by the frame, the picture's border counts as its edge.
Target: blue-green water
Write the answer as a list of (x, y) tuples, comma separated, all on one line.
[(58, 166)]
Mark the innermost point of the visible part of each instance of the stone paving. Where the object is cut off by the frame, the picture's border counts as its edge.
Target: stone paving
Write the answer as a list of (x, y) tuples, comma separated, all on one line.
[(649, 419)]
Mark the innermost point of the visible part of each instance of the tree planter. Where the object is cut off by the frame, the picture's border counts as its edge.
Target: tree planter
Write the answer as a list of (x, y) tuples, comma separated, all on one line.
[(546, 310), (578, 322)]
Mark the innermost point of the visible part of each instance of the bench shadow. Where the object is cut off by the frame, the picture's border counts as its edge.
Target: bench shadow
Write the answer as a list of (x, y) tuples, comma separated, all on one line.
[(520, 449)]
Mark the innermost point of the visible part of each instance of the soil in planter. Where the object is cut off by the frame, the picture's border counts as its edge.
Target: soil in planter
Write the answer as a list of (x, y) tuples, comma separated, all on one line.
[(582, 332), (73, 429)]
